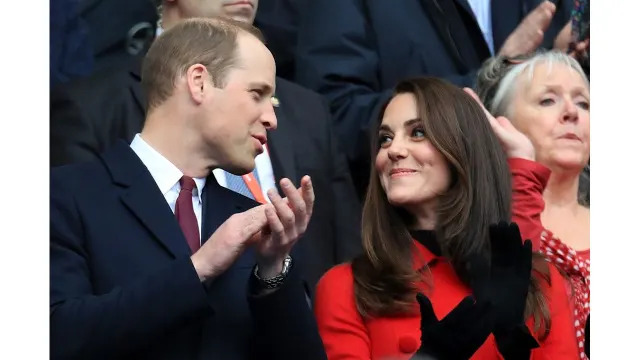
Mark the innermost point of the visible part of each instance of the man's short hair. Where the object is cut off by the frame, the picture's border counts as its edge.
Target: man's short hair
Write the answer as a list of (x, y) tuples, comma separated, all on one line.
[(211, 42)]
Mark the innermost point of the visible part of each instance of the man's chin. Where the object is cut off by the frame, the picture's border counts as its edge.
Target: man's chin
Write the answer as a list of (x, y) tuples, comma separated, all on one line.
[(242, 168), (244, 16)]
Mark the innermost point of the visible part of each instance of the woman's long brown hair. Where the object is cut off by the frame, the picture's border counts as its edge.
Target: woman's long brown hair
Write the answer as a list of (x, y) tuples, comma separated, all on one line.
[(479, 194)]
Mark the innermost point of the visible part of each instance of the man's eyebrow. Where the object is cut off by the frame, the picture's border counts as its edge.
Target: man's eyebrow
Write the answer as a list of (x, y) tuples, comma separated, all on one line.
[(264, 87)]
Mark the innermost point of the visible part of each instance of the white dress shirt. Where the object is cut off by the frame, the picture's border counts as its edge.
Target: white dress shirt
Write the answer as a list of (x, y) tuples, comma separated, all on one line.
[(167, 176), (482, 11)]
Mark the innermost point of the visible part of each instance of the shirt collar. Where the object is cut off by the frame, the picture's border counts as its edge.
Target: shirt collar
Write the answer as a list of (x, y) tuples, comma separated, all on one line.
[(165, 174)]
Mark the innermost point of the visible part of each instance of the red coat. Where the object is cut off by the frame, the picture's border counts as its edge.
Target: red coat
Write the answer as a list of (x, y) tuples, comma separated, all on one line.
[(529, 181), (347, 336)]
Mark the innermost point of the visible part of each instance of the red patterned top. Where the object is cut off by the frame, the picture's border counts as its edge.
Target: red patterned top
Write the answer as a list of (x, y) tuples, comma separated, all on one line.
[(529, 181)]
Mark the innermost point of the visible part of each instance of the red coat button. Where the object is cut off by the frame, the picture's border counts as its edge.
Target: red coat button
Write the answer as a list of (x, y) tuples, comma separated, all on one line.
[(408, 344)]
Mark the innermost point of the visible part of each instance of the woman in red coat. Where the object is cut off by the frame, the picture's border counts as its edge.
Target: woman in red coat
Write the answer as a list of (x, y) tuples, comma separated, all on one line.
[(432, 230), (546, 97)]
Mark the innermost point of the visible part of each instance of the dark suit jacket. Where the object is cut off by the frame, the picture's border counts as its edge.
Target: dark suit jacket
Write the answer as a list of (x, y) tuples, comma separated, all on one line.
[(123, 285), (70, 53), (90, 115), (278, 22), (86, 37), (370, 45), (119, 30)]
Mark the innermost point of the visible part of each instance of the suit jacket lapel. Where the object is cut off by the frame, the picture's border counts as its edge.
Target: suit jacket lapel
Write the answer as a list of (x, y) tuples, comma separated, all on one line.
[(475, 37), (456, 24), (441, 21), (143, 198), (464, 4), (218, 204), (280, 145)]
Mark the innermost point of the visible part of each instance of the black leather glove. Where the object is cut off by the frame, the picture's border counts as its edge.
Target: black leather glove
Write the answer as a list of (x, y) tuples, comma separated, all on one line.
[(459, 334), (505, 284), (516, 343)]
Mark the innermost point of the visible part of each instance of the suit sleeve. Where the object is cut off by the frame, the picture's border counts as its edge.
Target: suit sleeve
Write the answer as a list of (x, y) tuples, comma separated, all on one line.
[(339, 60), (88, 325), (341, 327), (72, 135), (561, 342), (528, 180), (559, 20), (285, 327)]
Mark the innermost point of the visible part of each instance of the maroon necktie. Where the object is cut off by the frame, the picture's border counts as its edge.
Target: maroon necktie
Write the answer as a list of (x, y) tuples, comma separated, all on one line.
[(185, 214)]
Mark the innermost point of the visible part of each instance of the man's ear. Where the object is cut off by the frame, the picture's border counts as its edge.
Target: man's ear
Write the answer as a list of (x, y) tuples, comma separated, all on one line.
[(197, 76)]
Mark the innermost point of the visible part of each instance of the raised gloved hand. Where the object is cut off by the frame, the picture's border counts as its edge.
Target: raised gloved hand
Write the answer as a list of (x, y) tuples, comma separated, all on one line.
[(459, 334), (505, 284)]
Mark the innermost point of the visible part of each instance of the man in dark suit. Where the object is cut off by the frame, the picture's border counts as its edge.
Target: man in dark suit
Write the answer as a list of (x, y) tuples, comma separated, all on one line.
[(89, 115), (368, 46), (129, 280)]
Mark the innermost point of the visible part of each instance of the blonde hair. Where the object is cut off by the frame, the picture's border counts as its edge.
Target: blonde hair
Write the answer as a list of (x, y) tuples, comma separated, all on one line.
[(211, 42), (496, 81)]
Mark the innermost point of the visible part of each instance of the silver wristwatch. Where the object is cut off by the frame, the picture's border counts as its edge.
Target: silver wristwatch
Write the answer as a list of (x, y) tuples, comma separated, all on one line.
[(277, 280)]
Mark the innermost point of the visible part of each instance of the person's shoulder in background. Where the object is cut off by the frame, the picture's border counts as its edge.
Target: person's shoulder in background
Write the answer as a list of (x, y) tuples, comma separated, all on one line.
[(71, 55), (278, 22), (87, 115)]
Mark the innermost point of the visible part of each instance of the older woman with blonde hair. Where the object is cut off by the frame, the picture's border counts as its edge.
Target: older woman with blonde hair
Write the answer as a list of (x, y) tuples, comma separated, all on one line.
[(545, 97)]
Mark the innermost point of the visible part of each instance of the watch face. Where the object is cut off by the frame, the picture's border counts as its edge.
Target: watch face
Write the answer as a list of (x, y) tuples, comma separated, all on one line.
[(287, 265), (278, 279)]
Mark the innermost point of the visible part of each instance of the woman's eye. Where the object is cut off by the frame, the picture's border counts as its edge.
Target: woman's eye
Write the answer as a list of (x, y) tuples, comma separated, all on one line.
[(547, 102), (583, 104), (417, 132), (383, 140)]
